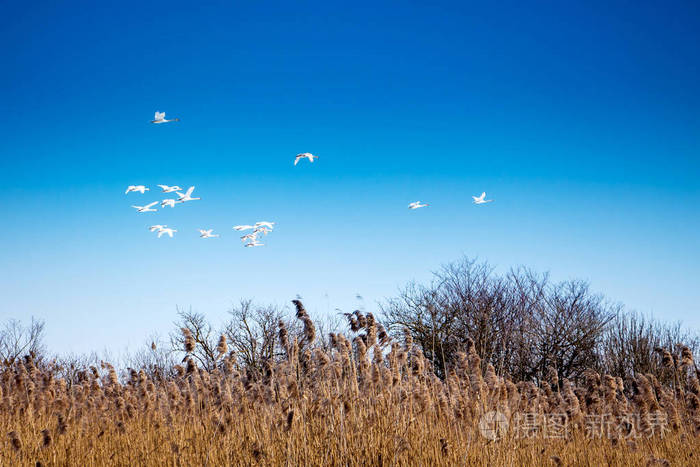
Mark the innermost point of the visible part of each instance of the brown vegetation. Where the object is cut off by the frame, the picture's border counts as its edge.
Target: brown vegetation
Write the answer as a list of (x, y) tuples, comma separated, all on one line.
[(365, 399)]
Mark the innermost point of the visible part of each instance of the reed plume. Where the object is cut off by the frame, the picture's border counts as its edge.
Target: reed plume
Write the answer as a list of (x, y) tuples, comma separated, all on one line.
[(368, 398)]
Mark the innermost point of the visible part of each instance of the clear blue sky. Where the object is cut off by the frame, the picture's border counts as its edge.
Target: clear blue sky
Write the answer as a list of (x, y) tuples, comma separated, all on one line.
[(582, 122)]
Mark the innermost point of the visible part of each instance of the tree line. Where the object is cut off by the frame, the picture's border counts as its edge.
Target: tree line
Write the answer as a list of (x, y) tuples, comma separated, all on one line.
[(521, 322)]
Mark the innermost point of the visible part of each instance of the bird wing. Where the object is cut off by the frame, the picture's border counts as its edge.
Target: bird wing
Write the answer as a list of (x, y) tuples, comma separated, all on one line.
[(483, 195), (148, 206), (296, 160), (164, 187), (189, 191), (137, 207), (160, 115)]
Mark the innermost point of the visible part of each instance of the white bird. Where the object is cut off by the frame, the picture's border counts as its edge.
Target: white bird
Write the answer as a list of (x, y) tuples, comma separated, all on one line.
[(160, 118), (253, 243), (480, 199), (139, 188), (252, 236), (304, 155), (166, 230), (157, 227), (269, 225), (146, 208), (263, 230), (207, 233), (167, 202), (417, 204), (170, 189), (187, 196), (243, 227)]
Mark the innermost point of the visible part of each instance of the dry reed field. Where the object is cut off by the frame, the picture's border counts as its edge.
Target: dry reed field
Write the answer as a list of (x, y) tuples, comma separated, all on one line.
[(369, 400)]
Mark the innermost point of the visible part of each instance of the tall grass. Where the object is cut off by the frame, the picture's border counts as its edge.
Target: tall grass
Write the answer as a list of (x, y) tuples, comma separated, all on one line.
[(368, 400)]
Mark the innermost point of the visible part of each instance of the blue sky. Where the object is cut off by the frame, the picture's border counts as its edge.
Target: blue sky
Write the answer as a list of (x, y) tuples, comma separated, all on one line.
[(581, 120)]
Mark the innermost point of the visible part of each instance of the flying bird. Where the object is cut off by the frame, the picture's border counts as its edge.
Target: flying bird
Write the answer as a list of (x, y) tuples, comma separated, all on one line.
[(304, 155), (157, 227), (167, 202), (481, 199), (207, 233), (187, 196), (160, 118), (166, 230), (146, 208), (263, 230), (243, 227), (251, 236), (253, 243), (170, 189), (269, 225), (140, 188), (417, 204)]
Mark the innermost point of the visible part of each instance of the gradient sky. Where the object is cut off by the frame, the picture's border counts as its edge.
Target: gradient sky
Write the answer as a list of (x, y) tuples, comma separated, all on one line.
[(581, 121)]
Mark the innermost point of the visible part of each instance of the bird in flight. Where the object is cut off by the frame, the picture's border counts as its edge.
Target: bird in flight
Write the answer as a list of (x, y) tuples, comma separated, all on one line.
[(187, 196), (170, 189), (160, 118), (157, 227), (253, 243), (167, 202), (243, 227), (166, 230), (481, 199), (140, 188), (207, 233), (262, 230), (146, 208), (251, 236), (417, 204), (304, 155), (269, 225)]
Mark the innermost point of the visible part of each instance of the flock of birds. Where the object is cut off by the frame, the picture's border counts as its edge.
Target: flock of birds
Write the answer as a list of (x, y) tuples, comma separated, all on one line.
[(249, 239)]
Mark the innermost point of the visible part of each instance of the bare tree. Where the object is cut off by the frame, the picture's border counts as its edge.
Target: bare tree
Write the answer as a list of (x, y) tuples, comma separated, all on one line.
[(155, 358), (568, 325), (17, 340), (205, 338), (520, 323), (629, 344), (464, 301), (252, 332)]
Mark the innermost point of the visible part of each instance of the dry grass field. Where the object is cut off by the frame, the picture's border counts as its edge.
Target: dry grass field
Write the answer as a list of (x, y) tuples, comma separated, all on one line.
[(366, 401)]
